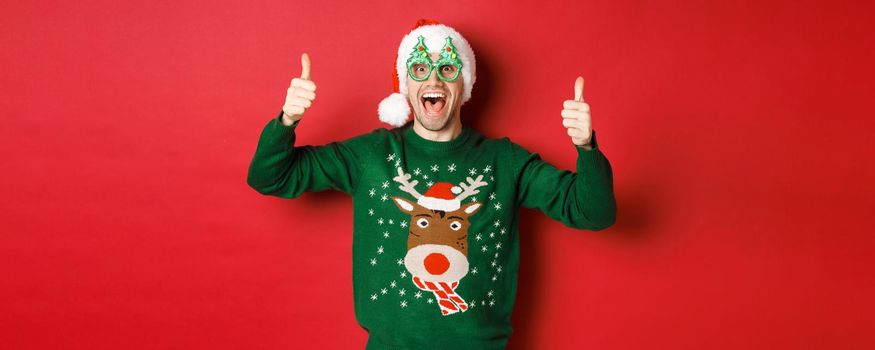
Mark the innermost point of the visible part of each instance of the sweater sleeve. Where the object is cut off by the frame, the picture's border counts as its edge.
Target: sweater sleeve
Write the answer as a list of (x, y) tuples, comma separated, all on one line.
[(582, 200), (283, 170)]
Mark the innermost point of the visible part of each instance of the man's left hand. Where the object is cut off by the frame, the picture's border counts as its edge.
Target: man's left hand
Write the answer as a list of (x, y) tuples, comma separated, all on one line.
[(575, 117)]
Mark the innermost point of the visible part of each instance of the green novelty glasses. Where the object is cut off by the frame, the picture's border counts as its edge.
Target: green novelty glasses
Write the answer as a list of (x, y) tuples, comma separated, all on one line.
[(420, 65)]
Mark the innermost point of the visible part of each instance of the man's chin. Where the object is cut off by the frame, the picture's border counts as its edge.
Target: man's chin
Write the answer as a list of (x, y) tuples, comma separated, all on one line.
[(434, 122)]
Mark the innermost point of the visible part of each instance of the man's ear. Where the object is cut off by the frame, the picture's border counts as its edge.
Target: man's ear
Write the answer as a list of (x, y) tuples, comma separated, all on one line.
[(471, 208), (403, 204)]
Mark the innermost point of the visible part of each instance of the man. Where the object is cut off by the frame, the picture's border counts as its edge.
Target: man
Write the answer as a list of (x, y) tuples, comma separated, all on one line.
[(435, 241)]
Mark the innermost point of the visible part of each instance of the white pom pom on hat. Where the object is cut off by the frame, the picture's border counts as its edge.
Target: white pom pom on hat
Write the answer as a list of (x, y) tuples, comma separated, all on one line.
[(395, 109)]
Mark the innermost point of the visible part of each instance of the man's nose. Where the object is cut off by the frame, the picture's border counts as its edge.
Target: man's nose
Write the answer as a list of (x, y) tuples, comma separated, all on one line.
[(433, 77)]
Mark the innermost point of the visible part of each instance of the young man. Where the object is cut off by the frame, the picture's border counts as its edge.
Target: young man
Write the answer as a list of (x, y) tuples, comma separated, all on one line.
[(435, 239)]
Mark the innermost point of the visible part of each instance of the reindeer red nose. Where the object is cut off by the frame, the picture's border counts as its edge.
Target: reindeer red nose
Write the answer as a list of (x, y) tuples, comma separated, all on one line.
[(436, 263)]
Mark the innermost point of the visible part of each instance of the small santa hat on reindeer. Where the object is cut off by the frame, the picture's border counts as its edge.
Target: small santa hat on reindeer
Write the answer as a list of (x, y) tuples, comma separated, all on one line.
[(395, 109), (441, 196)]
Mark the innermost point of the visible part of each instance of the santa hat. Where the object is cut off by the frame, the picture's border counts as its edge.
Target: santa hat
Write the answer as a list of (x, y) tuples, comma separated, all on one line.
[(441, 196), (395, 109)]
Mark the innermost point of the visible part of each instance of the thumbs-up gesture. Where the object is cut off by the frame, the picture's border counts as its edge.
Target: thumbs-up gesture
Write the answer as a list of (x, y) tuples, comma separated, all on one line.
[(575, 117), (300, 95)]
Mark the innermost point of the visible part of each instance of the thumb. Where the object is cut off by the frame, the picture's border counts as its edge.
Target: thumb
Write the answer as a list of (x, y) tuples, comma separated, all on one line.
[(305, 66), (578, 89)]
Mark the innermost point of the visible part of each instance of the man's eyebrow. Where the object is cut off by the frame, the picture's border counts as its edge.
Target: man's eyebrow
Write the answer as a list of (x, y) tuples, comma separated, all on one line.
[(426, 215), (457, 217)]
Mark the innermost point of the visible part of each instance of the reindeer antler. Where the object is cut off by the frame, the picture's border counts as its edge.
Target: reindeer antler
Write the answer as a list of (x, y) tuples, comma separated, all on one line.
[(471, 187), (408, 187)]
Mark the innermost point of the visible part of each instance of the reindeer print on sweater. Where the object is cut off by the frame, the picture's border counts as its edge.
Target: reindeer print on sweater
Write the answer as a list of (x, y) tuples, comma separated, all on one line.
[(437, 246), (436, 218)]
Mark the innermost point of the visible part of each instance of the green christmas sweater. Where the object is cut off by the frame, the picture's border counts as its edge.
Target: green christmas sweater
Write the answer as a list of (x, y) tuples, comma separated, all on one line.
[(435, 238)]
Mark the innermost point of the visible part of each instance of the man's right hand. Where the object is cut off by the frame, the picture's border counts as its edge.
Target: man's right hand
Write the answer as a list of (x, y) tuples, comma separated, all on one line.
[(300, 95)]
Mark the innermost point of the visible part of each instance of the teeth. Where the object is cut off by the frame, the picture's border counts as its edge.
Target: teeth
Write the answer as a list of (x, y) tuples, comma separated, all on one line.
[(434, 95)]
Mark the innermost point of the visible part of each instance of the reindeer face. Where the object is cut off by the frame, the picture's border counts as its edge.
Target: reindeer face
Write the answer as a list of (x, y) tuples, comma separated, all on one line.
[(437, 245)]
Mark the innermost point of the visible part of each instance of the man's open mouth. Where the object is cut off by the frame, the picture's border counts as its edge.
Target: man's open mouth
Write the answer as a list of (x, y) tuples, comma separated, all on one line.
[(433, 102)]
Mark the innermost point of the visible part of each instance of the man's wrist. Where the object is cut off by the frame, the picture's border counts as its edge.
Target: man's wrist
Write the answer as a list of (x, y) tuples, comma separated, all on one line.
[(288, 120), (591, 143)]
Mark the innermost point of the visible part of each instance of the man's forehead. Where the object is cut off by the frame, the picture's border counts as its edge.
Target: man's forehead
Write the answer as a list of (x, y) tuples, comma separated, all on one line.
[(434, 55)]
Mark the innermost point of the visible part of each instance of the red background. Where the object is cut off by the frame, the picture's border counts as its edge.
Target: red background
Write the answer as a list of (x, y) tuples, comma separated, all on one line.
[(740, 135)]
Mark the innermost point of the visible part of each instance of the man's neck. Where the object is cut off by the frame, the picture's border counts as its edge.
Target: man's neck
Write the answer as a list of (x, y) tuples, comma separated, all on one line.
[(446, 134)]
